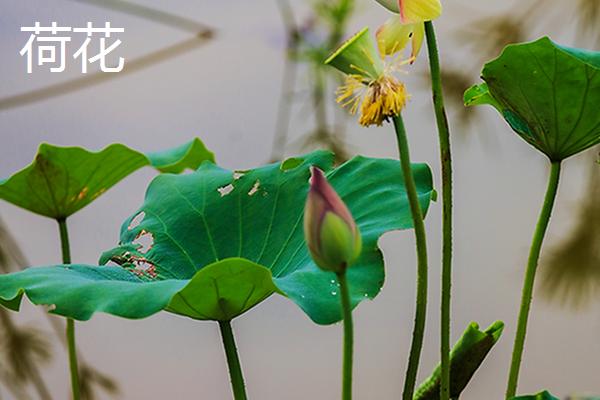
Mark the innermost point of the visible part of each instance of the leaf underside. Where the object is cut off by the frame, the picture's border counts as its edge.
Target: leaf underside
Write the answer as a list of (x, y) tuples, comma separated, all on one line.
[(548, 94), (214, 243), (62, 180)]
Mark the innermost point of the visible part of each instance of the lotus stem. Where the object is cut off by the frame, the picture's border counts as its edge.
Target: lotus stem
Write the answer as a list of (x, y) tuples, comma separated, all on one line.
[(446, 163), (348, 337), (70, 330), (233, 361), (528, 283), (421, 243)]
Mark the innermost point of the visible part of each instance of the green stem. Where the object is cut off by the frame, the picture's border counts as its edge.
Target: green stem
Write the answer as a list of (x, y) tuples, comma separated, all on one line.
[(446, 162), (528, 283), (233, 361), (421, 242), (64, 240), (348, 337), (70, 331)]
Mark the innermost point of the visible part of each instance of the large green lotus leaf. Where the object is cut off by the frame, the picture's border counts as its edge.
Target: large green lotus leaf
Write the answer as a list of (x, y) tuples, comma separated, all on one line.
[(548, 94), (188, 222), (214, 243), (465, 358), (63, 180), (545, 395)]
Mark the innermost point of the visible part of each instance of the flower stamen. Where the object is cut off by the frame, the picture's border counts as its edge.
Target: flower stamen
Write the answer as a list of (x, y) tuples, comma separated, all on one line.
[(383, 98)]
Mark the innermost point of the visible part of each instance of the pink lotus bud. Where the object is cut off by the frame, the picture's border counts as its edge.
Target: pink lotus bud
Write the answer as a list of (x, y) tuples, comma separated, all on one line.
[(331, 234)]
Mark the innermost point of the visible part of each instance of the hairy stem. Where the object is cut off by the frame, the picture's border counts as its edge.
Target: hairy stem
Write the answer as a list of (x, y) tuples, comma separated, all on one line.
[(421, 242), (446, 163), (528, 283), (348, 337), (233, 361), (70, 330)]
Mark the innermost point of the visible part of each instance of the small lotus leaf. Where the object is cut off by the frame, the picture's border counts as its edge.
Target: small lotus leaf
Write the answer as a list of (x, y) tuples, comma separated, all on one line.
[(63, 180), (548, 94)]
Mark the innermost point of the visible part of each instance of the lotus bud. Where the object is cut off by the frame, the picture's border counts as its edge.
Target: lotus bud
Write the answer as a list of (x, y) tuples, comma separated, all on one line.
[(331, 234)]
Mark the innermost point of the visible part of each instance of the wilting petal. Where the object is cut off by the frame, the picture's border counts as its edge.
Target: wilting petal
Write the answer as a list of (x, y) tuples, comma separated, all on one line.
[(393, 36), (417, 39), (331, 234)]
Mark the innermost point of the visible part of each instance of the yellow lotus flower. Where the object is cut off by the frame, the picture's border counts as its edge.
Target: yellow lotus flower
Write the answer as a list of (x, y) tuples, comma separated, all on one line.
[(370, 85)]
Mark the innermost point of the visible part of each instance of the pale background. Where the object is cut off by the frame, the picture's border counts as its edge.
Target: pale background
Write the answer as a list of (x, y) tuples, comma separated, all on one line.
[(227, 93)]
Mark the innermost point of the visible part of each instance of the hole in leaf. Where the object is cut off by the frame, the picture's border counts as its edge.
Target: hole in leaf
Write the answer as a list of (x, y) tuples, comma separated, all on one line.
[(144, 267), (255, 188), (112, 263), (238, 174), (145, 241), (225, 190), (136, 220)]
